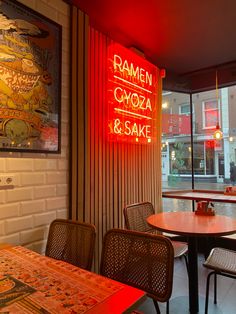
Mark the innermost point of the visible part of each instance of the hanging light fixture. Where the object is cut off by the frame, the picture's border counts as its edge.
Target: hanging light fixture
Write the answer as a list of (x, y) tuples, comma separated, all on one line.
[(218, 134)]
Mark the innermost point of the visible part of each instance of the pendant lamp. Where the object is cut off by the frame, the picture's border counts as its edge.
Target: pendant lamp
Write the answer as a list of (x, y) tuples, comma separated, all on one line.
[(218, 134)]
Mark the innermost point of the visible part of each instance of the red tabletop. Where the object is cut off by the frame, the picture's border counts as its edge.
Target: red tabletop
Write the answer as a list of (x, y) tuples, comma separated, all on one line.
[(192, 226), (188, 223), (32, 283)]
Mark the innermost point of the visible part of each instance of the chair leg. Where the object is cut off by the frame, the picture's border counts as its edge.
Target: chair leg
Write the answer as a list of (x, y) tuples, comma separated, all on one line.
[(207, 291), (167, 307), (157, 307), (215, 288), (186, 261)]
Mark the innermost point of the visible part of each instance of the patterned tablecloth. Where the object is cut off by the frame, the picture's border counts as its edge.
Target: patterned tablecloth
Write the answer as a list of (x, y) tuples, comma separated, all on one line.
[(32, 283)]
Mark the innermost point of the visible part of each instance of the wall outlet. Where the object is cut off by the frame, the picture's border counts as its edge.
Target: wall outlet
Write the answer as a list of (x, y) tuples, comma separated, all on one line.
[(7, 180)]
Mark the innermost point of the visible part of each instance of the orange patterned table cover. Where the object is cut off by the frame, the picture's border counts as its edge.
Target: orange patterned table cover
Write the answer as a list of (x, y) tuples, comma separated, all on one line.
[(32, 283)]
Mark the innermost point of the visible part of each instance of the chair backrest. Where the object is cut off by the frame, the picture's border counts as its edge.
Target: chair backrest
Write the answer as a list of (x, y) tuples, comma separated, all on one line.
[(72, 242), (135, 217), (139, 259)]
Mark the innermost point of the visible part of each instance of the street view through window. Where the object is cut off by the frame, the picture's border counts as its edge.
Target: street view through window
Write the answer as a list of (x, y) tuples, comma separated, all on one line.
[(212, 159)]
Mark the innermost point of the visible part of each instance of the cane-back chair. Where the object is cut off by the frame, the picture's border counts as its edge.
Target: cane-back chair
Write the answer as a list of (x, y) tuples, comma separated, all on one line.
[(222, 262), (135, 219), (72, 242), (141, 260)]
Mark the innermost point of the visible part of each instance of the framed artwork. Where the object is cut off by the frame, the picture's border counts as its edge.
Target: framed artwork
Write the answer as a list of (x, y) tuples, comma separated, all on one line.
[(30, 80)]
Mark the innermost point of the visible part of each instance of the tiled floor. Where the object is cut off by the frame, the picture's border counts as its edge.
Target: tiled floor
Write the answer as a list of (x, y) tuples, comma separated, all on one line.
[(226, 296)]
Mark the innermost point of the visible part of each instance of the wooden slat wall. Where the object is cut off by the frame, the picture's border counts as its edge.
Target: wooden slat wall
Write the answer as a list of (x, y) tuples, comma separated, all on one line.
[(79, 93), (105, 175)]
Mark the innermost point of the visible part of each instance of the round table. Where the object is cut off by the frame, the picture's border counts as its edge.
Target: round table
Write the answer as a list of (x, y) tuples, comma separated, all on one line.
[(191, 225)]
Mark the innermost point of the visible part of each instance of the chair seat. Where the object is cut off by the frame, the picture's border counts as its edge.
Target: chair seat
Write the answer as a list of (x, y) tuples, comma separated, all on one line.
[(180, 248), (222, 260)]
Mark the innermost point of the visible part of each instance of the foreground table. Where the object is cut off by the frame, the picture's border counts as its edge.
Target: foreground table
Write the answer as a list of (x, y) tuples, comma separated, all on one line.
[(192, 226), (32, 283)]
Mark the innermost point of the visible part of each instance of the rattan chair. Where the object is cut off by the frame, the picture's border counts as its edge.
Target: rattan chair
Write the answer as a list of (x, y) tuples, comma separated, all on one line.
[(140, 260), (135, 219), (222, 262), (72, 242)]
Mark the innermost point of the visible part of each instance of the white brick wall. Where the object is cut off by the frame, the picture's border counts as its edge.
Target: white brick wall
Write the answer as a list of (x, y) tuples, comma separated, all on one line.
[(41, 191)]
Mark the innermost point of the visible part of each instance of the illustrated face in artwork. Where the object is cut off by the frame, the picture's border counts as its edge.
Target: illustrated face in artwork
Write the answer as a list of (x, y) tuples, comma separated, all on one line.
[(17, 130)]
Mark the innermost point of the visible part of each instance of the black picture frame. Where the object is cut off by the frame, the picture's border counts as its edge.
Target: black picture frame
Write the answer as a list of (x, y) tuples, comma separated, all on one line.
[(30, 80)]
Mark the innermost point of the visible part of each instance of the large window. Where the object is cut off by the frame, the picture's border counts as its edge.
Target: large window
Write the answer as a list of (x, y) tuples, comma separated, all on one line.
[(210, 166), (203, 161), (180, 158)]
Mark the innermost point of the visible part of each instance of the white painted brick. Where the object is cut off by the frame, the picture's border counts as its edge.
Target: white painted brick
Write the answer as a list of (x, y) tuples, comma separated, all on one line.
[(45, 191), (16, 178), (2, 165), (19, 224), (45, 164), (64, 129), (52, 164), (62, 164), (63, 20), (32, 235), (65, 116), (28, 246), (46, 10), (11, 239), (66, 70), (33, 179), (40, 164), (32, 155), (53, 156), (62, 213), (43, 219), (62, 189), (64, 119), (19, 194), (38, 247), (9, 210), (10, 155), (56, 177), (2, 229), (19, 164), (60, 5), (32, 207), (64, 140), (65, 36), (64, 101), (2, 197), (56, 203), (64, 152), (29, 3)]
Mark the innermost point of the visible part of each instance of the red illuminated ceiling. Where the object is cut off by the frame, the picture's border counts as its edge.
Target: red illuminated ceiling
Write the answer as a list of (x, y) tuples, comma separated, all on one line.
[(181, 36)]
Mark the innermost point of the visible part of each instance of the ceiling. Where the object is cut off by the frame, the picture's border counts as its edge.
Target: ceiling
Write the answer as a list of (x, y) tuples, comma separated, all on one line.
[(187, 38)]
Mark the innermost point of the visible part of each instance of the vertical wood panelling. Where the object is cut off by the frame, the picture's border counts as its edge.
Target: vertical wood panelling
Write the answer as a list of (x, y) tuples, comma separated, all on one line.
[(79, 56), (114, 174), (74, 138), (123, 173)]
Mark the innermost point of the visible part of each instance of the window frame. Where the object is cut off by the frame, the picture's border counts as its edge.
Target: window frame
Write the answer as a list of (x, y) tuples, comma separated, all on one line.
[(217, 101)]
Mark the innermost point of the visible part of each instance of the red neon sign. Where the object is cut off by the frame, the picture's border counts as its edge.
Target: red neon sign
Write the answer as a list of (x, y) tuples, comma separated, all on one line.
[(132, 96)]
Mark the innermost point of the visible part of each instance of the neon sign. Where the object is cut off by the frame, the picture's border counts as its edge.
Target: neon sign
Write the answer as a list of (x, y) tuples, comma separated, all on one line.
[(132, 96)]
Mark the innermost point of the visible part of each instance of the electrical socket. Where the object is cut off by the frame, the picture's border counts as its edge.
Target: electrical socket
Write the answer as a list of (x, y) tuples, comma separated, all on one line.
[(6, 180)]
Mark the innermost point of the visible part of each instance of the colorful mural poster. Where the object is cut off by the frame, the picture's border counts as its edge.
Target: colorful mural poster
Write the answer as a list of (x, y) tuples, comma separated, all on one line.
[(30, 80)]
